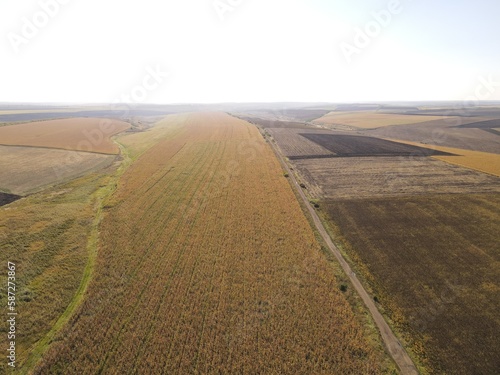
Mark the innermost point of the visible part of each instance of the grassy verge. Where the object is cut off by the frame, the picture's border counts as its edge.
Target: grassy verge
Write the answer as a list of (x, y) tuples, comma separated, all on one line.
[(99, 198)]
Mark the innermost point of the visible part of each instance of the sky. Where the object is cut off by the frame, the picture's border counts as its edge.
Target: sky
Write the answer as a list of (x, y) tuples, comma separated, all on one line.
[(212, 51)]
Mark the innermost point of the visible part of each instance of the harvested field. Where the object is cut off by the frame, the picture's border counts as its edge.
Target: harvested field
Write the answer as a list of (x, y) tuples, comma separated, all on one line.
[(461, 112), (8, 198), (208, 265), (352, 145), (349, 108), (422, 233), (267, 123), (40, 115), (51, 109), (305, 114), (433, 263), (26, 170), (371, 120), (480, 161), (344, 178), (489, 124), (286, 114), (492, 131), (293, 145), (452, 132), (78, 134)]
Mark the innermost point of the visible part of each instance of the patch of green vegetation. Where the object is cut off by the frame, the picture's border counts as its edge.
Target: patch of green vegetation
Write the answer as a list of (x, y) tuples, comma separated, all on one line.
[(47, 236), (98, 193)]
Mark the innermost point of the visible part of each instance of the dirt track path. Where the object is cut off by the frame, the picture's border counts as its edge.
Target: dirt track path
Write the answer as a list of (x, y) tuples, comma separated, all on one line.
[(392, 344)]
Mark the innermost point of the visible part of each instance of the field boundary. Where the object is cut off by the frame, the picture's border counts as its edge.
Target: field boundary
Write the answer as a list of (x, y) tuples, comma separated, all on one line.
[(60, 148), (101, 195), (461, 153), (391, 342)]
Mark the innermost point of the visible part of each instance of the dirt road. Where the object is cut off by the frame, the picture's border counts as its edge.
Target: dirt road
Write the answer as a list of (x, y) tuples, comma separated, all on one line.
[(393, 346)]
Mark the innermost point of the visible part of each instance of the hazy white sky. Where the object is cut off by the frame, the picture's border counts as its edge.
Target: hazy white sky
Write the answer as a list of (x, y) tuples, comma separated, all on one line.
[(248, 50)]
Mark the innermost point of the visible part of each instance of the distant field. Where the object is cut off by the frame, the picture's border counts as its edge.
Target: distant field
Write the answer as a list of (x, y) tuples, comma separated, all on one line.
[(137, 143), (287, 114), (28, 169), (457, 111), (267, 123), (208, 265), (292, 144), (51, 110), (354, 145), (488, 124), (433, 263), (78, 134), (305, 114), (481, 161), (357, 177), (6, 198), (39, 115), (371, 120), (447, 133)]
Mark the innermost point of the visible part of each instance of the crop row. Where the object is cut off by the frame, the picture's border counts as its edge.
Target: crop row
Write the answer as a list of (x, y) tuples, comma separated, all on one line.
[(208, 265)]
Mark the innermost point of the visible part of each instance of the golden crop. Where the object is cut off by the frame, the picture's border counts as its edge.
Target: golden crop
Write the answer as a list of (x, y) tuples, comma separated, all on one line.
[(78, 134), (208, 265)]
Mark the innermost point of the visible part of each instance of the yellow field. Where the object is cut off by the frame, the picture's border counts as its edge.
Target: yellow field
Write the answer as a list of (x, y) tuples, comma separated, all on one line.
[(207, 265), (78, 134), (371, 120), (137, 143), (25, 170), (480, 161)]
